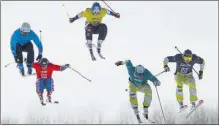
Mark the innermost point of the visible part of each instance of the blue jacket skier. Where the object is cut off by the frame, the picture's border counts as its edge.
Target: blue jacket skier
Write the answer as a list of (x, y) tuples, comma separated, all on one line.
[(21, 42)]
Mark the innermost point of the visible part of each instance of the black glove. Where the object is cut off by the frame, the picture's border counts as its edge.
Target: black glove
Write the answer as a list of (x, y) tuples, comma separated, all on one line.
[(67, 65), (200, 75), (118, 63), (71, 20), (117, 15), (39, 57), (16, 58), (166, 68)]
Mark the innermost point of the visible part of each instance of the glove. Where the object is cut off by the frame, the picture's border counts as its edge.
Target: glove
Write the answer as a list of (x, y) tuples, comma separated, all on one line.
[(200, 75), (117, 15), (39, 57), (67, 65), (16, 58), (156, 83), (71, 20), (166, 68), (118, 63)]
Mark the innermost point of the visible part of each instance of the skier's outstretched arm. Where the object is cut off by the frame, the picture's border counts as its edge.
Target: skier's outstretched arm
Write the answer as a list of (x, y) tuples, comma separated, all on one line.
[(117, 15), (169, 59), (60, 68), (13, 43), (200, 61), (79, 15), (37, 42), (152, 78)]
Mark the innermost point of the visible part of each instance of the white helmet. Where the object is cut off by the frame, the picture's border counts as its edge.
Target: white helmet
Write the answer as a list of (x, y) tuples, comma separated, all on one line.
[(25, 27)]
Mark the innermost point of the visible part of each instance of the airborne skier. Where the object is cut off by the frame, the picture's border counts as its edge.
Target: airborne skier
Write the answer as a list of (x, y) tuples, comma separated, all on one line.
[(44, 70), (183, 75), (93, 24), (138, 77), (21, 42)]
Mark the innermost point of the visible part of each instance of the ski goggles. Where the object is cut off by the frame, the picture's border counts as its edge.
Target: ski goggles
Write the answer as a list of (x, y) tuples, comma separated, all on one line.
[(187, 57), (96, 11), (139, 75), (24, 33)]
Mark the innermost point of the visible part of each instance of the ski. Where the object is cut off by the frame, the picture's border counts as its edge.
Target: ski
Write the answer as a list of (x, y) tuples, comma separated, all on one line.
[(101, 56), (197, 106), (148, 120), (29, 75), (54, 102), (184, 108)]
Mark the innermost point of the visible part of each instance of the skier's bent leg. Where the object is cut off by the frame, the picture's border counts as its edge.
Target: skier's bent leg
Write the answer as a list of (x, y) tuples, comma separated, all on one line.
[(133, 98), (146, 89), (40, 88), (49, 88), (192, 90), (30, 56), (102, 31)]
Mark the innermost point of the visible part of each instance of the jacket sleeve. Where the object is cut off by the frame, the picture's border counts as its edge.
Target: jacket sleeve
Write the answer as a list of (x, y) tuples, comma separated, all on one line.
[(170, 59), (13, 43), (56, 67), (200, 61), (129, 66), (108, 12), (37, 42), (151, 77)]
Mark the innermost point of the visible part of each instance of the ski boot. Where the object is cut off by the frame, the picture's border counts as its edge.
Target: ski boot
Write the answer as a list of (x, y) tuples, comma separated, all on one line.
[(138, 118), (192, 105), (29, 69), (49, 98), (41, 99), (21, 68)]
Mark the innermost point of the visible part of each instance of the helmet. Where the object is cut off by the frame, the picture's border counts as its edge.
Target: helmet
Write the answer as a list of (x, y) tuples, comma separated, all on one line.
[(44, 62), (96, 8), (187, 56), (25, 29), (139, 71)]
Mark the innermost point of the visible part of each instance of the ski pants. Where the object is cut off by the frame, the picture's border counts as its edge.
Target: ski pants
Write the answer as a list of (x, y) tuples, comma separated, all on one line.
[(44, 83), (25, 48), (146, 89), (100, 29), (190, 81)]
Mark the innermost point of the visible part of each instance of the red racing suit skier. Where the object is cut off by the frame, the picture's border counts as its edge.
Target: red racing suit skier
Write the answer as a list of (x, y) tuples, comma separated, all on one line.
[(44, 71)]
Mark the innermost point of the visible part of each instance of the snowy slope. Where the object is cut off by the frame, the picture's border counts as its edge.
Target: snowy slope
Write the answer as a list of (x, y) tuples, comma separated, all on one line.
[(146, 33)]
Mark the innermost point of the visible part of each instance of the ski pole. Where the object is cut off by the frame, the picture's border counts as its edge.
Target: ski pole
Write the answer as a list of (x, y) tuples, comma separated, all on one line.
[(40, 35), (109, 6), (9, 64), (155, 76), (65, 10), (160, 105), (181, 53), (79, 74)]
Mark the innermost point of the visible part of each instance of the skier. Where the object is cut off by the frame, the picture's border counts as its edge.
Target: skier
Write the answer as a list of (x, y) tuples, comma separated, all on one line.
[(93, 25), (44, 70), (21, 42), (138, 77), (184, 75)]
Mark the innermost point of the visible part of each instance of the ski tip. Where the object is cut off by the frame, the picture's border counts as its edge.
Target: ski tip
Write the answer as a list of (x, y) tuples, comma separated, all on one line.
[(185, 106), (201, 101)]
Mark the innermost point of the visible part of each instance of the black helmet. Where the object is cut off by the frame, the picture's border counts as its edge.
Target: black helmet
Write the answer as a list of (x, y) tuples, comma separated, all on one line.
[(187, 52), (44, 62)]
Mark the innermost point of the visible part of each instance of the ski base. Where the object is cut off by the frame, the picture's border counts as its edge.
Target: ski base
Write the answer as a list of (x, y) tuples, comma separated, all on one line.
[(195, 108)]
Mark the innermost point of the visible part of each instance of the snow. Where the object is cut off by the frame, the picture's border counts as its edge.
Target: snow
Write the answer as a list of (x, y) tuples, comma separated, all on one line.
[(146, 33)]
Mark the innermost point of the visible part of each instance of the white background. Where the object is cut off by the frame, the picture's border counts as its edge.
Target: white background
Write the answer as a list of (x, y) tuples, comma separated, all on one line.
[(146, 33)]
